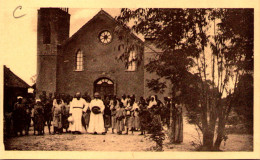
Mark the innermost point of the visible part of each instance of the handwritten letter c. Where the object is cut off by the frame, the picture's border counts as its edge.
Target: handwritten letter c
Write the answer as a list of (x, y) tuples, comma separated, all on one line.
[(19, 7)]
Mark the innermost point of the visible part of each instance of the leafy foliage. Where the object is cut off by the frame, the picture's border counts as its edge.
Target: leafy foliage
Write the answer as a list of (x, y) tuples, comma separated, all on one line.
[(243, 105), (202, 63), (129, 43), (156, 85), (157, 135)]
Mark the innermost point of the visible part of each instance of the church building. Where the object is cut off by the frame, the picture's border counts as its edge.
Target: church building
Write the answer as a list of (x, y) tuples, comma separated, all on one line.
[(86, 61)]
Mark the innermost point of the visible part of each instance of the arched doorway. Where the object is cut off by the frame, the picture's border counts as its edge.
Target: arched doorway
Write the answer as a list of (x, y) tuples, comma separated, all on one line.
[(104, 86)]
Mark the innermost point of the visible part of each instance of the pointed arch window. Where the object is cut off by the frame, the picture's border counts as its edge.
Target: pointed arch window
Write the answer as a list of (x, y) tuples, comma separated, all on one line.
[(79, 61), (132, 61)]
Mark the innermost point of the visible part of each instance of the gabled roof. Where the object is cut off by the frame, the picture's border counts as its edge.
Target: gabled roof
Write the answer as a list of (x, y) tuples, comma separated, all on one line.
[(101, 12), (151, 48), (12, 80)]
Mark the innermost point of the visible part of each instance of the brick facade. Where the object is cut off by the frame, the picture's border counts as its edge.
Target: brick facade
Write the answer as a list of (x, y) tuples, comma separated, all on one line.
[(56, 61), (57, 23), (57, 70)]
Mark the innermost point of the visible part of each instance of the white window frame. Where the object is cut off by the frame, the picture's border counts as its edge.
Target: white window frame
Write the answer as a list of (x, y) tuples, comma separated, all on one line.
[(132, 64), (79, 61)]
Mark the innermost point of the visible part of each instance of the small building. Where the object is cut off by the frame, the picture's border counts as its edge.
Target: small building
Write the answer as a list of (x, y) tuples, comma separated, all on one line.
[(13, 87)]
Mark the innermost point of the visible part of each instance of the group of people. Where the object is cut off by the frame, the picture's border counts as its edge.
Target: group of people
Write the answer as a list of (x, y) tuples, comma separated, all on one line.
[(80, 114)]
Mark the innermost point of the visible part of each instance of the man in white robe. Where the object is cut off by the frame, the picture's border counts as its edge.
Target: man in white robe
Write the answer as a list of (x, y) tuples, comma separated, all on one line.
[(96, 123), (77, 106)]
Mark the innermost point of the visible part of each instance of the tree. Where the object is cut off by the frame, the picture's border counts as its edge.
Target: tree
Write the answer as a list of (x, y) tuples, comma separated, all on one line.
[(243, 105), (33, 79), (204, 53), (233, 50)]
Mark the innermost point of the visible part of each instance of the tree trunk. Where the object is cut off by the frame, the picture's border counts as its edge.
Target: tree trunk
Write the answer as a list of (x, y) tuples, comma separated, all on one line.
[(208, 134), (221, 125), (171, 124), (212, 121), (220, 134), (208, 138), (218, 140)]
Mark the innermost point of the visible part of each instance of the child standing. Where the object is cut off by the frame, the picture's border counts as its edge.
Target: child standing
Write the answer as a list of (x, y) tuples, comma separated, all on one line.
[(120, 115), (114, 105), (129, 121), (57, 116)]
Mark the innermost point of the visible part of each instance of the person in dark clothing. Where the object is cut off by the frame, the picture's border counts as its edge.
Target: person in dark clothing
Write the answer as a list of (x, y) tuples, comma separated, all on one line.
[(27, 122), (19, 113), (86, 115), (39, 117), (47, 105), (166, 111), (144, 115), (114, 105), (177, 123), (107, 114), (65, 114)]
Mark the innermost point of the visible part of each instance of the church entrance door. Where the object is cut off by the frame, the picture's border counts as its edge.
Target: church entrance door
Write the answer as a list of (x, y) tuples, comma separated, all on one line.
[(104, 86)]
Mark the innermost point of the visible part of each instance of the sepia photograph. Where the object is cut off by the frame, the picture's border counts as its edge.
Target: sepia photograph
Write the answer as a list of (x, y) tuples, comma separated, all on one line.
[(144, 79)]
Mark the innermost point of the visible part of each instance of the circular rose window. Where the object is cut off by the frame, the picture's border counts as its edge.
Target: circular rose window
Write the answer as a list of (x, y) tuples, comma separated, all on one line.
[(105, 37)]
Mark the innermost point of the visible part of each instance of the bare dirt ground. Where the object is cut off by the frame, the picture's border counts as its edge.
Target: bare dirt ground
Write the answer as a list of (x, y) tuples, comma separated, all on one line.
[(235, 142), (83, 142), (114, 142)]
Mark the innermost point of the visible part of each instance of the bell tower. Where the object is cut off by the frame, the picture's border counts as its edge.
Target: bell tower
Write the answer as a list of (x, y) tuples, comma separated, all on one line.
[(52, 29)]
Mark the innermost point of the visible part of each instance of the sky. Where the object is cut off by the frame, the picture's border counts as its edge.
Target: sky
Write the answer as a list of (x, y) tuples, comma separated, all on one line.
[(19, 45), (20, 48)]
